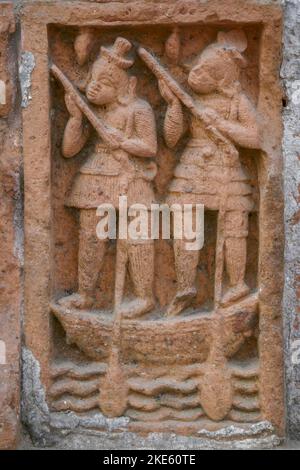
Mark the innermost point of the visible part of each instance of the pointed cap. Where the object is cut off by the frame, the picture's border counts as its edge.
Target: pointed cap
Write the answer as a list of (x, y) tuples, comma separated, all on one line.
[(117, 52)]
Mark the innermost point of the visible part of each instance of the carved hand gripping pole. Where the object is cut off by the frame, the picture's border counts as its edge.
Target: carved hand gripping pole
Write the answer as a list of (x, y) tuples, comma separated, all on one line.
[(196, 109), (102, 129)]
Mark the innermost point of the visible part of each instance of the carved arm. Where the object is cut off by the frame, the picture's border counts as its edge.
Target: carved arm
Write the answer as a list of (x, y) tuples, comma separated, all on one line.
[(144, 144), (245, 131)]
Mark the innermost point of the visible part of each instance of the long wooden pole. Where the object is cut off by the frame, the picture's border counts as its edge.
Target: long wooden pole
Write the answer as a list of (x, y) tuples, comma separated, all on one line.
[(162, 74)]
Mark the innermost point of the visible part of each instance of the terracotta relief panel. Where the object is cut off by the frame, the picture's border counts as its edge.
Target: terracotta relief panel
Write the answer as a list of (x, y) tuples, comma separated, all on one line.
[(175, 104)]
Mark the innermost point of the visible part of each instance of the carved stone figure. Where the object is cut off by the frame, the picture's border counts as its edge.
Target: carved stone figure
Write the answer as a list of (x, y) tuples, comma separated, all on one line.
[(119, 166), (209, 171)]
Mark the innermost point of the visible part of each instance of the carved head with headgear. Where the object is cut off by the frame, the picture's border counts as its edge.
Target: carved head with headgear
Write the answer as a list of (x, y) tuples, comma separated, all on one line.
[(219, 65), (108, 80)]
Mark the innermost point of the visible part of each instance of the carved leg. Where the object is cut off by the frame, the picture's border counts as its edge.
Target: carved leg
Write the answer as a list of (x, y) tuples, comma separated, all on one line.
[(141, 265), (90, 257), (186, 262), (236, 232)]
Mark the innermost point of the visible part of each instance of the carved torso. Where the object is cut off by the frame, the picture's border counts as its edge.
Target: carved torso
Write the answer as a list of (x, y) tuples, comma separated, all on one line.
[(108, 174), (105, 161), (225, 106), (204, 168)]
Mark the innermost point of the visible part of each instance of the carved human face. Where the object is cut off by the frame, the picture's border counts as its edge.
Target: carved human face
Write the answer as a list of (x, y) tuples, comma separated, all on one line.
[(213, 71), (201, 80), (101, 88)]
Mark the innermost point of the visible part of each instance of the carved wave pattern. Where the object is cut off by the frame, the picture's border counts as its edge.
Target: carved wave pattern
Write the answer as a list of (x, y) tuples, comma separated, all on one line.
[(76, 387), (155, 395), (168, 398)]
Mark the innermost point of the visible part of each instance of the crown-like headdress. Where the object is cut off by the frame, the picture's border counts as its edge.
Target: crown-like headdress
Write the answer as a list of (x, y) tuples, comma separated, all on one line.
[(117, 52)]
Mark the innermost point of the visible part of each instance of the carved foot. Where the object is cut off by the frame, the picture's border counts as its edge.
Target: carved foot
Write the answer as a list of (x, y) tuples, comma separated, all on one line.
[(76, 301), (235, 293), (181, 301), (136, 308)]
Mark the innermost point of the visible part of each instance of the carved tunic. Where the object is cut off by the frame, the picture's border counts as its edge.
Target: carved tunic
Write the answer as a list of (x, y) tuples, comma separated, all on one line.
[(108, 174), (205, 172)]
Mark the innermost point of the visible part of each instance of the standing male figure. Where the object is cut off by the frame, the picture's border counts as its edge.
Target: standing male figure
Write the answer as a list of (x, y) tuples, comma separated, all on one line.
[(210, 171), (111, 171)]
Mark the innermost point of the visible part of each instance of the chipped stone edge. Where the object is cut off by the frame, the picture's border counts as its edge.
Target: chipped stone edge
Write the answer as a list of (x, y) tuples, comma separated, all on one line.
[(34, 409), (26, 66)]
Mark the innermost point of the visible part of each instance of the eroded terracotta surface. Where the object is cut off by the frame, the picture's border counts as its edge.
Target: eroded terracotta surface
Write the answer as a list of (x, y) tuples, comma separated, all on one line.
[(10, 247), (126, 103)]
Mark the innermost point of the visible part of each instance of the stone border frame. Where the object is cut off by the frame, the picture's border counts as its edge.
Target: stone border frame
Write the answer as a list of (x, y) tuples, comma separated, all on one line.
[(35, 18)]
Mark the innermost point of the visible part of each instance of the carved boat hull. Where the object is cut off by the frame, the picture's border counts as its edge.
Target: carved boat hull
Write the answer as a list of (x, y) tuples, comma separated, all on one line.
[(182, 340)]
